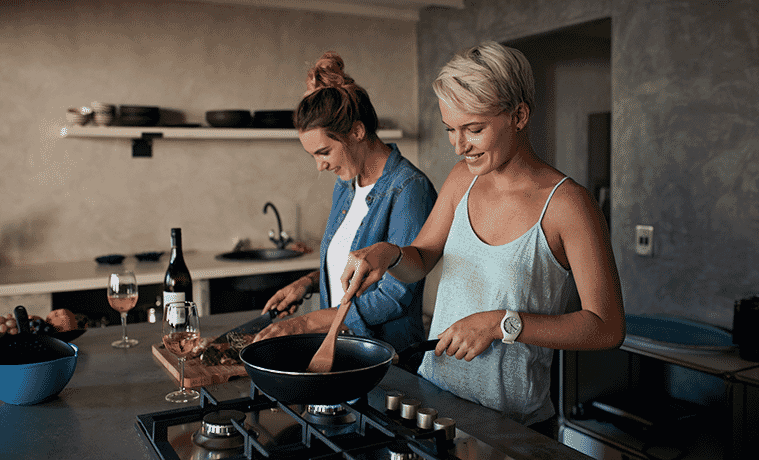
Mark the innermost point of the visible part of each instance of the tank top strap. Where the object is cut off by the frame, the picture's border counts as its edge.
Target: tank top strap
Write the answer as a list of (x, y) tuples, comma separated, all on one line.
[(471, 184), (545, 206)]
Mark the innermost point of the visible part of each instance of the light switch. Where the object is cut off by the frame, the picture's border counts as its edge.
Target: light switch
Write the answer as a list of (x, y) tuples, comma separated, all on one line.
[(644, 240)]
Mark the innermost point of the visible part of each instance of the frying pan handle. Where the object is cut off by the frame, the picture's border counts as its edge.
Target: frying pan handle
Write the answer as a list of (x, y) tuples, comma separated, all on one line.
[(418, 347), (22, 320)]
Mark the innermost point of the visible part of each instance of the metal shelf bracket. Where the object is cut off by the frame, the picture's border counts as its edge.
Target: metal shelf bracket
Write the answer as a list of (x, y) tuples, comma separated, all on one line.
[(143, 146)]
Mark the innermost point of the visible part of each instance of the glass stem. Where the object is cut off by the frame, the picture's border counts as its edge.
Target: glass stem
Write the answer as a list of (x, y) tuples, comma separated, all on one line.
[(181, 374), (123, 326)]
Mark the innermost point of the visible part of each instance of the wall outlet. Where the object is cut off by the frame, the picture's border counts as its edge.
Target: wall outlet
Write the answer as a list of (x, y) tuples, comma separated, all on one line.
[(644, 240)]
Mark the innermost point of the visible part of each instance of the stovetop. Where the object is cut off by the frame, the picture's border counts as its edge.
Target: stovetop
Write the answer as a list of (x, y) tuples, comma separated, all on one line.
[(363, 429)]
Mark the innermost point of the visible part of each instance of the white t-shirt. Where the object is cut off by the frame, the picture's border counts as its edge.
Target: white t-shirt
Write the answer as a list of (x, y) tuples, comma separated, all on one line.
[(340, 246)]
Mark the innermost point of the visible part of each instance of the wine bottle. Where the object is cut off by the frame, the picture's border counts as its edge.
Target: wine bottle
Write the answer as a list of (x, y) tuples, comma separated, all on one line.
[(177, 284)]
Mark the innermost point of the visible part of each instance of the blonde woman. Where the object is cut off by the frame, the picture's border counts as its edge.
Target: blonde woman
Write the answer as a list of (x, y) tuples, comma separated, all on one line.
[(512, 234)]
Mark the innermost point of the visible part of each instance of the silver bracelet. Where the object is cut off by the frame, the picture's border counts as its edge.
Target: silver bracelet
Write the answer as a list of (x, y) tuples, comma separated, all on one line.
[(398, 260), (310, 289)]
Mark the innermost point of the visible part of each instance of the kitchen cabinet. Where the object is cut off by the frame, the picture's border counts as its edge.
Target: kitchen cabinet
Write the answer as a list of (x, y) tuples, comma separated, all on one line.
[(142, 136), (638, 403), (747, 410), (242, 293)]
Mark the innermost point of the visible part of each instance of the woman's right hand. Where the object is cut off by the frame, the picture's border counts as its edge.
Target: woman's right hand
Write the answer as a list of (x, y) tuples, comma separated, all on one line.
[(288, 299), (366, 266)]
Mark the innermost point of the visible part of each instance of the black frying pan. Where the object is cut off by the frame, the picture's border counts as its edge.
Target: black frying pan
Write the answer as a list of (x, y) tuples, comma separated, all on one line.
[(28, 348), (278, 367)]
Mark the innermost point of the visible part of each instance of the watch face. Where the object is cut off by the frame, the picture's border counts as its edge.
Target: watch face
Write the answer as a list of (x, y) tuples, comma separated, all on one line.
[(511, 325)]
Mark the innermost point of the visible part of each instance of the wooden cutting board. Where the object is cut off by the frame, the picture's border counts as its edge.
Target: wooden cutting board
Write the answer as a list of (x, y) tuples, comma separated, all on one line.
[(197, 374)]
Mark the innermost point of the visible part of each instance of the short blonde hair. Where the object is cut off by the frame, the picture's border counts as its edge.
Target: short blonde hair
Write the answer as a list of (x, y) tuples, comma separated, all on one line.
[(488, 77)]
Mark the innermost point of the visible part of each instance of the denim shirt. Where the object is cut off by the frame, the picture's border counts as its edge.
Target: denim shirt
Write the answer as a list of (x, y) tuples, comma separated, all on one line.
[(399, 204)]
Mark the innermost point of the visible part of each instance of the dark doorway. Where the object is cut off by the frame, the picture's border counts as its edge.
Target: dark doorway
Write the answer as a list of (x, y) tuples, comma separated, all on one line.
[(572, 69)]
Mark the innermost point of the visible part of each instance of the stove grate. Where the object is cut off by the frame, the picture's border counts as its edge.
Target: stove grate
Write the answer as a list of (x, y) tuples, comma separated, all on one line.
[(372, 431)]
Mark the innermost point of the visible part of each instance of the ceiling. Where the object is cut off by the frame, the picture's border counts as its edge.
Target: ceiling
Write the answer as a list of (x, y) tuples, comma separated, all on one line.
[(407, 10)]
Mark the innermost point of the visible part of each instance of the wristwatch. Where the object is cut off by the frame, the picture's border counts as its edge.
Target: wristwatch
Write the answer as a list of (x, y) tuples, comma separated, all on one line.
[(511, 326)]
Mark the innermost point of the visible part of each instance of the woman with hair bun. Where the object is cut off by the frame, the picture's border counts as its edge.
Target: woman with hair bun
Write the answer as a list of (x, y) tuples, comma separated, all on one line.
[(378, 196)]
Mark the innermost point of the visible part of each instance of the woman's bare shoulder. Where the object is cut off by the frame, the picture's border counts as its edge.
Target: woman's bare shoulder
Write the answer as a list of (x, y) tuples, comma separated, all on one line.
[(571, 193), (457, 182), (573, 204)]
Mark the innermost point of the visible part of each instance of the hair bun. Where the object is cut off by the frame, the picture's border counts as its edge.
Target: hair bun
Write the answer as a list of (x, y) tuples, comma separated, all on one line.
[(328, 73)]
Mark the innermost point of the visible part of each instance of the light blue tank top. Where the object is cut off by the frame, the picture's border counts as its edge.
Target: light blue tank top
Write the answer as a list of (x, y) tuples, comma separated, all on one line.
[(521, 275)]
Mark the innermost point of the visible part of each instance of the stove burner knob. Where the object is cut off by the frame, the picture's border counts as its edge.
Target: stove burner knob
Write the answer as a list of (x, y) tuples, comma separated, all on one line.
[(425, 418), (446, 424), (393, 400), (409, 408)]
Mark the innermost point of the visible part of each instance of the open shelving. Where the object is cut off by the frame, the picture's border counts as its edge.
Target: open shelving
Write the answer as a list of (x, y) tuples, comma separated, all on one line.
[(142, 136)]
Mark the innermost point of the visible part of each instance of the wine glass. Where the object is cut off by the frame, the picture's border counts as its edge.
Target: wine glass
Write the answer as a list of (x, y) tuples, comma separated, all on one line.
[(181, 334), (122, 295)]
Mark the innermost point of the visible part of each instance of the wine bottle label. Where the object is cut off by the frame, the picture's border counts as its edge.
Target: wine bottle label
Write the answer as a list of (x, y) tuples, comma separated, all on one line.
[(169, 297), (176, 316)]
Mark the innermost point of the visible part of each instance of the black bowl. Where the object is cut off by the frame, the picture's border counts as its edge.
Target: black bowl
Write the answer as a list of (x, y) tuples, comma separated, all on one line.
[(138, 121), (282, 119), (228, 118), (131, 110), (112, 259), (138, 115), (149, 256)]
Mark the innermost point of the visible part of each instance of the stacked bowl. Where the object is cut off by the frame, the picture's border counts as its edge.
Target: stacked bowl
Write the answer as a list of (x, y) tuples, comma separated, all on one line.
[(103, 114), (78, 116)]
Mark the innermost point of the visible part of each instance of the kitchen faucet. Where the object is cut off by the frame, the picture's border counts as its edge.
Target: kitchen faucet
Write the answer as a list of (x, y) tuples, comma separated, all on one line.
[(283, 239)]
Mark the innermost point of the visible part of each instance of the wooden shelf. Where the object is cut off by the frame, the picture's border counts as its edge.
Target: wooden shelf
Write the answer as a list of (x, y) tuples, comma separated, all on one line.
[(158, 132), (142, 136)]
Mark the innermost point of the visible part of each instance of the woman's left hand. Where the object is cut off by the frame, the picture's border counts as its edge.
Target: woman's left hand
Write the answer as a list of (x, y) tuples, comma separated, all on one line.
[(470, 336), (289, 326)]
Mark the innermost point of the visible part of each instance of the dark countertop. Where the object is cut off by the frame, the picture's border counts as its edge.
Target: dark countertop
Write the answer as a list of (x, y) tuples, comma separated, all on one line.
[(94, 416)]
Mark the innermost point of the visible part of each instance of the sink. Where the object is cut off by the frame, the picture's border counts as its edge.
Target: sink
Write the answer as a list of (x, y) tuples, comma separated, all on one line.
[(669, 333), (260, 254)]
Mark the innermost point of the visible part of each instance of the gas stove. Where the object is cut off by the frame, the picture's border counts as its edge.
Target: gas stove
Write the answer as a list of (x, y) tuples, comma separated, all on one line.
[(380, 425)]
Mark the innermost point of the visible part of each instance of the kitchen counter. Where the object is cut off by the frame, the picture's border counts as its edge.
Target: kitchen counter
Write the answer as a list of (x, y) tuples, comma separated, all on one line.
[(88, 274), (45, 279), (749, 376), (94, 416), (717, 363)]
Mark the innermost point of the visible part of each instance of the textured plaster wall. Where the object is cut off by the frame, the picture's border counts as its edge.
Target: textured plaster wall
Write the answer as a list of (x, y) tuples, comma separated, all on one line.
[(75, 199), (685, 142)]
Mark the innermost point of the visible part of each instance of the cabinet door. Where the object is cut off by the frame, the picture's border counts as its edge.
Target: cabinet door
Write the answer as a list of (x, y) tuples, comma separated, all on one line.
[(591, 446), (749, 407)]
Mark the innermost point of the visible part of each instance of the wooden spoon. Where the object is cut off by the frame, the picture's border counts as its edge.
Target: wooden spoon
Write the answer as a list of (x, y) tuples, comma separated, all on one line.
[(325, 355)]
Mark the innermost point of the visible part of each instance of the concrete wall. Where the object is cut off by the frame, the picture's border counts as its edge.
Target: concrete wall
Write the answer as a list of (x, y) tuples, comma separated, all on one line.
[(685, 142), (75, 199)]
